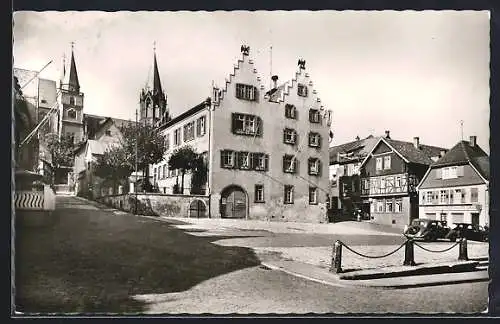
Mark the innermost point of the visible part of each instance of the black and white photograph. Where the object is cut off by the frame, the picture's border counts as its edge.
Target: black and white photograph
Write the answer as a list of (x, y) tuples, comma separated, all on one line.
[(250, 162)]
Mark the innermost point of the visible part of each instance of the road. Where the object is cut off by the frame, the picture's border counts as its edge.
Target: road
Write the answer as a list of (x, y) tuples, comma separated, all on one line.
[(254, 289)]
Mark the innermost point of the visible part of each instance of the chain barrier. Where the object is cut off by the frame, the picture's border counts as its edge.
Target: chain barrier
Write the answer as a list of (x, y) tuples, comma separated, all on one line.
[(437, 251), (371, 256)]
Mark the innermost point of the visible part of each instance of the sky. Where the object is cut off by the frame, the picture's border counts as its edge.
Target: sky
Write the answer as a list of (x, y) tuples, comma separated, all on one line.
[(414, 73)]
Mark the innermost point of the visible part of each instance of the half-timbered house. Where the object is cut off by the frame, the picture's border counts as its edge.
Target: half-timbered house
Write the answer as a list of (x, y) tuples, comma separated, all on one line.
[(389, 177)]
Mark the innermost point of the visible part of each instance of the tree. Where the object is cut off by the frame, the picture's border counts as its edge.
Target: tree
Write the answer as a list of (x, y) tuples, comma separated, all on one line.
[(150, 147), (200, 175), (183, 159), (61, 150), (113, 165)]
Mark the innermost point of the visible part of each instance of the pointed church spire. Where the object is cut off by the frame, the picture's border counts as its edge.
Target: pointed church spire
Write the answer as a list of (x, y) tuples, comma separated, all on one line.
[(73, 75), (70, 80), (156, 74)]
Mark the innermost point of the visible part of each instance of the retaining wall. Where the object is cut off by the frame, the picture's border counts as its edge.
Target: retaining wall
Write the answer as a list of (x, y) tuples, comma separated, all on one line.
[(156, 204)]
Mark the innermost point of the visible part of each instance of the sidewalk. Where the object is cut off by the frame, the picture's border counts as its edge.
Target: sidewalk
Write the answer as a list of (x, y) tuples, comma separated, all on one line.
[(402, 277)]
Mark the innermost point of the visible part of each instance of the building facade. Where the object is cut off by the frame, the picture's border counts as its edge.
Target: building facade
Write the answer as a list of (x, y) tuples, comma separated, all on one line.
[(267, 152), (389, 177), (455, 188)]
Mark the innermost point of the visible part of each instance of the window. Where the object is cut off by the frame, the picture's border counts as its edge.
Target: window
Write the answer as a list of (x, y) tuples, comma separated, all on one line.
[(302, 90), (246, 92), (189, 131), (177, 137), (72, 100), (244, 160), (457, 196), (314, 116), (289, 164), (159, 172), (43, 101), (372, 207), (313, 195), (289, 136), (200, 126), (398, 206), (288, 199), (227, 159), (443, 196), (473, 195), (379, 164), (164, 171), (290, 111), (260, 161), (259, 193), (389, 206), (72, 113), (387, 162), (246, 124), (443, 217), (314, 166), (429, 198), (314, 139), (382, 183), (167, 141), (398, 182), (154, 174), (464, 194), (380, 206)]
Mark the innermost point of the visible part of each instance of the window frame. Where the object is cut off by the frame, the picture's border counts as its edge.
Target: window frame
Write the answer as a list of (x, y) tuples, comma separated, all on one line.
[(189, 131), (230, 154), (314, 191), (378, 163), (314, 116), (314, 139), (290, 111), (248, 159), (290, 162), (177, 137), (288, 198), (289, 132), (387, 166), (314, 166), (246, 92), (302, 90), (72, 110), (251, 125), (398, 202), (259, 190)]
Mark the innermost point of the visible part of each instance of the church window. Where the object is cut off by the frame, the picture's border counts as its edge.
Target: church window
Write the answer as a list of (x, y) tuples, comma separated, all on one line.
[(72, 114), (72, 100)]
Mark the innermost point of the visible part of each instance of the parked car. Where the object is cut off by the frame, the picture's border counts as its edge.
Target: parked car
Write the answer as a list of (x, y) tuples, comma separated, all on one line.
[(469, 231), (427, 229)]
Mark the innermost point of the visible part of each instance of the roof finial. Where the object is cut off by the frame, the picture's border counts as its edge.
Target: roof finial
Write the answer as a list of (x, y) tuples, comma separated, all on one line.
[(245, 50), (154, 47), (302, 64), (72, 45), (462, 129)]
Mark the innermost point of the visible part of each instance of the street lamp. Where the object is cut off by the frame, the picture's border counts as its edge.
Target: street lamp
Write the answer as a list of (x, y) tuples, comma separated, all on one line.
[(136, 158)]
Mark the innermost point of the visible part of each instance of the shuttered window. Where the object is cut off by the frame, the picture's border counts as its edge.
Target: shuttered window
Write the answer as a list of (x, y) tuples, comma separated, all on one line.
[(244, 124)]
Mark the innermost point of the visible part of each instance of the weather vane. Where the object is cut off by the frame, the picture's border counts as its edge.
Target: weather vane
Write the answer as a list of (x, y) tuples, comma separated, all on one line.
[(154, 46)]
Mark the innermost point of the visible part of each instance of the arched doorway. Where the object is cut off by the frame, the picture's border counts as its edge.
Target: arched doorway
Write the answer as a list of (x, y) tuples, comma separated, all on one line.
[(233, 202), (197, 209)]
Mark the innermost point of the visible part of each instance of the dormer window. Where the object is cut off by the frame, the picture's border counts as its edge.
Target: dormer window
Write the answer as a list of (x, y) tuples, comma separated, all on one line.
[(246, 92), (314, 116), (290, 111), (289, 136), (302, 90)]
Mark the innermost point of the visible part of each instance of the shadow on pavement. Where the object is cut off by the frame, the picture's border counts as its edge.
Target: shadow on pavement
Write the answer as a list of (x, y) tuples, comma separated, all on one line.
[(93, 261)]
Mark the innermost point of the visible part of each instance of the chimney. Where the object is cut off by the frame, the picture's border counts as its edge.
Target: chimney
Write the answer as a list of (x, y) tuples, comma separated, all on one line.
[(442, 153), (416, 142), (275, 81), (387, 134), (357, 138), (472, 141)]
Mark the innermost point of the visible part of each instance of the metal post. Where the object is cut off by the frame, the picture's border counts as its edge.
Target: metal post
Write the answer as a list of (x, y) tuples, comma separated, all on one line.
[(409, 253), (462, 252), (336, 265), (136, 159)]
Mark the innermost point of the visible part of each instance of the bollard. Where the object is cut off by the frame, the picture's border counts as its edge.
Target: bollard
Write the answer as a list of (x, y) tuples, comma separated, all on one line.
[(409, 254), (336, 265), (462, 252)]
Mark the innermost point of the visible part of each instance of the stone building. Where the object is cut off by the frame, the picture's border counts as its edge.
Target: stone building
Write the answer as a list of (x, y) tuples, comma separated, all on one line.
[(267, 150)]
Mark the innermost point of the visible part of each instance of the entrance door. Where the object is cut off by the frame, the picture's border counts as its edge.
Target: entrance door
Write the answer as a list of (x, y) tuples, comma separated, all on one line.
[(233, 203), (197, 209), (475, 218)]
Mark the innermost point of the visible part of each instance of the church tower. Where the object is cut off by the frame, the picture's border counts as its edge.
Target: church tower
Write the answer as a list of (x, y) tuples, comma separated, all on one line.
[(71, 105), (153, 101)]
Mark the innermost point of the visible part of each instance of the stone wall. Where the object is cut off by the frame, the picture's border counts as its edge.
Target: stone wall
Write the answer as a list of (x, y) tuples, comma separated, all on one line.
[(156, 204)]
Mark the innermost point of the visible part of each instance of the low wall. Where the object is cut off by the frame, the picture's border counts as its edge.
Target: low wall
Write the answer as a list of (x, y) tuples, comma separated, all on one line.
[(156, 204)]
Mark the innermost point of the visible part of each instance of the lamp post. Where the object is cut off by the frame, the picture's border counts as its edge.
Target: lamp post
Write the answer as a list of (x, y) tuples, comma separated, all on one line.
[(136, 159)]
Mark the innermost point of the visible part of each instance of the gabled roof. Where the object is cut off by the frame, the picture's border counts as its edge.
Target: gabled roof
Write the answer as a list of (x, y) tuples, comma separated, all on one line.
[(463, 153), (356, 149), (408, 152), (95, 122)]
